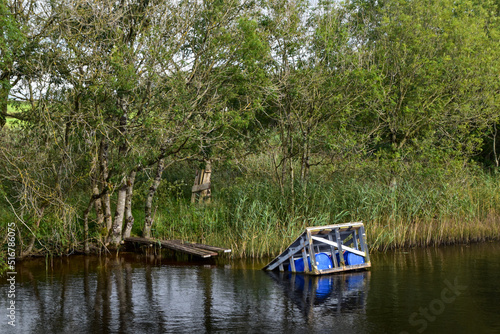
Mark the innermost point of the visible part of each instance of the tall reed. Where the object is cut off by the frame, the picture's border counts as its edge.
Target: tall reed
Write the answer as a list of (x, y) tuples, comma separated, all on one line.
[(254, 218)]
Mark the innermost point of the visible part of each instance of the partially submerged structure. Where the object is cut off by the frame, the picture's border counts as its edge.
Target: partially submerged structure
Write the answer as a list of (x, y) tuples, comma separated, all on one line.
[(334, 248)]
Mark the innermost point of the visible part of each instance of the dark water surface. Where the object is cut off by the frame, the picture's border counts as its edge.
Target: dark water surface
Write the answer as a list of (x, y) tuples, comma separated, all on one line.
[(454, 289)]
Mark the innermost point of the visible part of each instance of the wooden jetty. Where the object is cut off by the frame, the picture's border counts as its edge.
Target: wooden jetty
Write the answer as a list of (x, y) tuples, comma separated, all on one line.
[(335, 248), (195, 249)]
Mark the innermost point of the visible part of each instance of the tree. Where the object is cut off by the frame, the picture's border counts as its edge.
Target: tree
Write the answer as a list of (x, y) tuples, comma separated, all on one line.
[(431, 83)]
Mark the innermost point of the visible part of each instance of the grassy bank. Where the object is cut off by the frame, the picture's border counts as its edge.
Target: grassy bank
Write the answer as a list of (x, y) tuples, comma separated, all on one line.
[(250, 214)]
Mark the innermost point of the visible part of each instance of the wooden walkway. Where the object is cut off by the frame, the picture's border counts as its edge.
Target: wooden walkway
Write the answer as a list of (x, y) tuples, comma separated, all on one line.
[(200, 250)]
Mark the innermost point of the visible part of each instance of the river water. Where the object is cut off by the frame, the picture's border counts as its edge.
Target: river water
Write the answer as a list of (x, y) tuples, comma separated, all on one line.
[(453, 289)]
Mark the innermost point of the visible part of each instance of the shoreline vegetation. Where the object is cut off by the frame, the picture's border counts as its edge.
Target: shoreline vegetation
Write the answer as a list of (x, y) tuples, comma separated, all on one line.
[(299, 113), (249, 214)]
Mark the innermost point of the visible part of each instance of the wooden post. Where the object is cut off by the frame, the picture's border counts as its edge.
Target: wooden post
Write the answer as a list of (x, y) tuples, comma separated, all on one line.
[(332, 250), (202, 185), (312, 255), (355, 238), (339, 244), (205, 194), (364, 245), (304, 255), (196, 183)]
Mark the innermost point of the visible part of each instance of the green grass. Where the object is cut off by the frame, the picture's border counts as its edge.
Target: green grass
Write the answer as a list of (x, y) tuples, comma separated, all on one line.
[(251, 216)]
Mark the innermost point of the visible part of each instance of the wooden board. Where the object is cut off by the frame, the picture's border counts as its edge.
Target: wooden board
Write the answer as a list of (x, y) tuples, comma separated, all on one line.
[(203, 246), (200, 250), (200, 187)]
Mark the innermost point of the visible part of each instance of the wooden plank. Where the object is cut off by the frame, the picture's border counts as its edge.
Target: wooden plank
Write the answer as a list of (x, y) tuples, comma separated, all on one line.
[(312, 255), (187, 249), (342, 247), (276, 261), (282, 258), (196, 182), (304, 253), (200, 187), (208, 247), (173, 245), (347, 268), (336, 227), (292, 261)]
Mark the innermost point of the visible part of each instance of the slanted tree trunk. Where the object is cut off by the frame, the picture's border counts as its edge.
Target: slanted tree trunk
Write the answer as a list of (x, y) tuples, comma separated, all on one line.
[(129, 218), (148, 221)]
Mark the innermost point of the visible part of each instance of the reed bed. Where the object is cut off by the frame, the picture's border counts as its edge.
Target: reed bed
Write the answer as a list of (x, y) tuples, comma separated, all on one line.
[(255, 219)]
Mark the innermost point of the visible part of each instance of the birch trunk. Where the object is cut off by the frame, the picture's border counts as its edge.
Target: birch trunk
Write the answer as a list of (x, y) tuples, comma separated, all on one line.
[(129, 218), (115, 236)]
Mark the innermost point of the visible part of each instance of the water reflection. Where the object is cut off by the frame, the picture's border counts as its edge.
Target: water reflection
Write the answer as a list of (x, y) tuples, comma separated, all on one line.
[(138, 293), (149, 294), (341, 293)]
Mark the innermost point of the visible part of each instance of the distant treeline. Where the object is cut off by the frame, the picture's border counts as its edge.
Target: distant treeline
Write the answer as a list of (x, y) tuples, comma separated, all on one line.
[(306, 112)]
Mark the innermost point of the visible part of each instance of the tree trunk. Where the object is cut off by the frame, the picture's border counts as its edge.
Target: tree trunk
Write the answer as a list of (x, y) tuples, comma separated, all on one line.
[(148, 221), (33, 237), (292, 175), (86, 225), (129, 218), (98, 207), (115, 235), (106, 204), (284, 158), (304, 169)]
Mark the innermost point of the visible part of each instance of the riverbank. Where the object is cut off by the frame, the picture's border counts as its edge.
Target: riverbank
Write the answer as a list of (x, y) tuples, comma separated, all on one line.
[(253, 216)]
